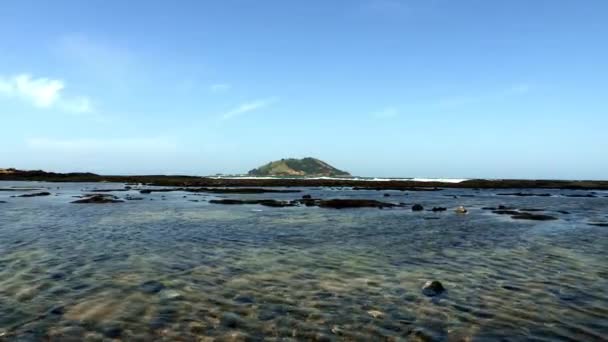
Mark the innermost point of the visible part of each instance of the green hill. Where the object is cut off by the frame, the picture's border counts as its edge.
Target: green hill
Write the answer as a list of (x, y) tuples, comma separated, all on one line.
[(305, 167)]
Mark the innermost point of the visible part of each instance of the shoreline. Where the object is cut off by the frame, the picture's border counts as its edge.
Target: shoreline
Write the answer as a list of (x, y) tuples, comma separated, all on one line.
[(360, 184)]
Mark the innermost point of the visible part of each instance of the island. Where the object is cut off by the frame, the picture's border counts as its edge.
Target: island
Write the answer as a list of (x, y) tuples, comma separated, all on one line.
[(291, 167)]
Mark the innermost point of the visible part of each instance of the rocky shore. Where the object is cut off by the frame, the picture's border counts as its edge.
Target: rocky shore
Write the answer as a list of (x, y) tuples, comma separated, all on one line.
[(191, 181)]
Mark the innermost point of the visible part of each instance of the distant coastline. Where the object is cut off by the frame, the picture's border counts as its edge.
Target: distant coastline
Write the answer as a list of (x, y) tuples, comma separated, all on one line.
[(357, 182)]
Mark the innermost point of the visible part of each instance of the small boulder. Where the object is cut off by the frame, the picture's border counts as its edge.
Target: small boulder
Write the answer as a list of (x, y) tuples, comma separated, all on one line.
[(307, 197), (461, 210), (436, 209), (417, 207), (432, 288)]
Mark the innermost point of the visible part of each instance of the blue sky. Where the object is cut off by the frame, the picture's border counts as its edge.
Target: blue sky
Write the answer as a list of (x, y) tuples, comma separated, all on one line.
[(435, 88)]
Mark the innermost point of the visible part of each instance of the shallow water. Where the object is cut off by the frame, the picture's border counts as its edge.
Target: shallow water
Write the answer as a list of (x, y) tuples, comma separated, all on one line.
[(167, 268)]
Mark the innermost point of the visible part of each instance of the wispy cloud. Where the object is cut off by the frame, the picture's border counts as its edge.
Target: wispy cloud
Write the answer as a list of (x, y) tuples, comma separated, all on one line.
[(93, 145), (249, 107), (43, 93), (387, 113), (107, 61), (220, 87), (500, 94)]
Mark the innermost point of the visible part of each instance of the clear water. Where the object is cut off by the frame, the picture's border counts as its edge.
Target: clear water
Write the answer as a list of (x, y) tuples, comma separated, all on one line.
[(75, 271)]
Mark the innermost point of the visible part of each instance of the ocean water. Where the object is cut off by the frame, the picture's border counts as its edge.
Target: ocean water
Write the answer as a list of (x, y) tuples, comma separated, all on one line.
[(167, 268)]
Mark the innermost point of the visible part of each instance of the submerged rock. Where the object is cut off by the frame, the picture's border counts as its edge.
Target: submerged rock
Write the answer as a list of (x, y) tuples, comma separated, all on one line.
[(432, 288), (306, 197), (435, 209), (417, 207), (170, 295), (57, 310), (598, 224), (231, 320), (151, 286)]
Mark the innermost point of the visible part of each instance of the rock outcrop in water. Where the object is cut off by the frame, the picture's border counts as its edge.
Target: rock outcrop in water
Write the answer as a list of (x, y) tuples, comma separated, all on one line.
[(354, 203), (98, 199), (461, 210), (37, 194), (432, 288), (264, 202), (306, 167)]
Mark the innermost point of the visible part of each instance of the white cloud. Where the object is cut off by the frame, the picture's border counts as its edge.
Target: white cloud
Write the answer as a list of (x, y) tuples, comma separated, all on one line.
[(249, 107), (386, 113), (220, 87), (43, 93)]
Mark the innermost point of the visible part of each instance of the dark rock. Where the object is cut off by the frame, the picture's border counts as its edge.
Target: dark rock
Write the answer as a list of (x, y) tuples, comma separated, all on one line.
[(432, 288), (488, 208), (522, 194), (265, 202), (535, 217), (129, 198), (2, 201), (145, 191), (109, 190), (598, 224), (353, 203), (563, 212), (417, 207), (151, 286), (531, 210), (99, 199), (307, 197), (439, 209), (504, 207), (37, 194), (387, 195)]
